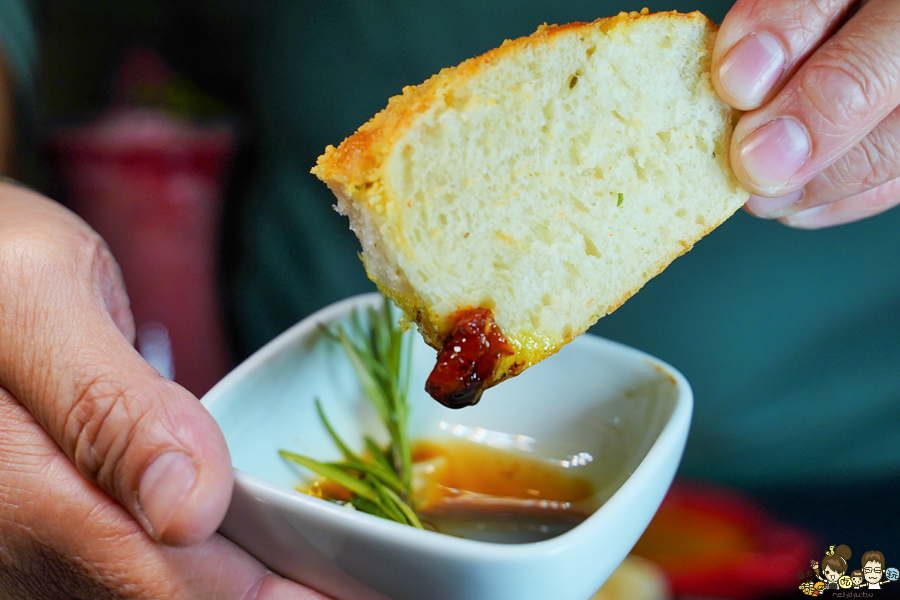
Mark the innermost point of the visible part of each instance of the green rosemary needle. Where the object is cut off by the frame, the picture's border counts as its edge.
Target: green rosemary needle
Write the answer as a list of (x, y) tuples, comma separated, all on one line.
[(381, 356)]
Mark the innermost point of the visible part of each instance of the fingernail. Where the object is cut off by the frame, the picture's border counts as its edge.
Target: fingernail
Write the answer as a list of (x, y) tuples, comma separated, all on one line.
[(752, 67), (816, 217), (773, 154), (164, 486), (773, 208)]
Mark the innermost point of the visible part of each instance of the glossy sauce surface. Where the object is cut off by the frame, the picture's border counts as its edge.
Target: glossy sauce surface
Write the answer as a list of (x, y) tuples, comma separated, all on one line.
[(468, 359), (474, 491), (477, 492)]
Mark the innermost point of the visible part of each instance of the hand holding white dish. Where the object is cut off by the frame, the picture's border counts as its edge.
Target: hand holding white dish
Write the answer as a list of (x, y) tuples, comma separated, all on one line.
[(627, 410)]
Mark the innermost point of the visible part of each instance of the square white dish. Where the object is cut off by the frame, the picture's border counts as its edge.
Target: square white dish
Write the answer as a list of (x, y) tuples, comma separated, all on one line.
[(624, 410)]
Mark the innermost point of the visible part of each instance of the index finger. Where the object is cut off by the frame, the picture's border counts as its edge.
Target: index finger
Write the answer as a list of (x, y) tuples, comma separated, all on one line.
[(838, 95), (762, 43)]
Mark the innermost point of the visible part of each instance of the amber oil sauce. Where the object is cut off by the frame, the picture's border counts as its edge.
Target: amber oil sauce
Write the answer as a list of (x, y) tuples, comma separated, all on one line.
[(475, 491)]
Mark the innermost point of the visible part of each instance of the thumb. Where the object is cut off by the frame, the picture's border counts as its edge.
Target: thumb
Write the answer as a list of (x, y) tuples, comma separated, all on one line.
[(64, 319)]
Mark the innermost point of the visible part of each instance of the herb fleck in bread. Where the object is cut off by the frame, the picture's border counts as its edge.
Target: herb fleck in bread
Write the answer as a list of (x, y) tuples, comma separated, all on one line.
[(545, 181)]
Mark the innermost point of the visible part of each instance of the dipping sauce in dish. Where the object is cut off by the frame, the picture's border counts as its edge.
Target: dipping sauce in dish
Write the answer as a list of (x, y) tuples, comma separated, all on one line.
[(478, 492), (474, 491)]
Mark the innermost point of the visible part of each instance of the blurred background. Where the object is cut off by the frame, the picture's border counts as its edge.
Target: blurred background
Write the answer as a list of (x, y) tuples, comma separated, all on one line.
[(184, 132)]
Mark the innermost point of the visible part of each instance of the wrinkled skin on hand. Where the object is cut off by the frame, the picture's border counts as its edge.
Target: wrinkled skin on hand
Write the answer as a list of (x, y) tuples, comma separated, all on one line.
[(820, 79), (83, 419)]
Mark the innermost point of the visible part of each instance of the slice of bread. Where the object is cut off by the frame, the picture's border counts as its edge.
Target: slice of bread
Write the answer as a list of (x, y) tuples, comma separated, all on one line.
[(544, 182)]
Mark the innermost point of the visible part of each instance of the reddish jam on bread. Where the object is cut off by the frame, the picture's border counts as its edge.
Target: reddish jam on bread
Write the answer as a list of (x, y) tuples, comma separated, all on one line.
[(468, 359)]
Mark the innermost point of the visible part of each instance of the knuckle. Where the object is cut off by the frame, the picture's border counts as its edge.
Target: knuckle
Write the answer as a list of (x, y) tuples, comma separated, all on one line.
[(875, 154), (841, 177), (845, 87), (872, 162), (856, 171), (835, 111), (98, 429)]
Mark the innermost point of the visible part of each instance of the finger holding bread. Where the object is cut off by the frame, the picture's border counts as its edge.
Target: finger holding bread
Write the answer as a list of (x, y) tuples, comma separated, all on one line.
[(823, 91), (762, 44)]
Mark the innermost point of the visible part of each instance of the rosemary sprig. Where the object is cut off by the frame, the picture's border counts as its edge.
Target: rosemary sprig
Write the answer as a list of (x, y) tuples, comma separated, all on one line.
[(381, 356), (381, 361), (335, 473)]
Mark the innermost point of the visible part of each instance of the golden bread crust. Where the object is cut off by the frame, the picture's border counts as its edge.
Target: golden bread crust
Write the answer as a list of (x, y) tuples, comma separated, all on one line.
[(357, 161), (356, 173)]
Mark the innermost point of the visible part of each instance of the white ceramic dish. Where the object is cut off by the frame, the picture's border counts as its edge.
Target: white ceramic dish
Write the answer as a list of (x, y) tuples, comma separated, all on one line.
[(627, 410)]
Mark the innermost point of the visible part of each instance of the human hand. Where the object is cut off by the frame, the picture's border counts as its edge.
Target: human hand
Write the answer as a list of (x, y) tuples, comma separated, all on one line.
[(112, 479), (820, 143)]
